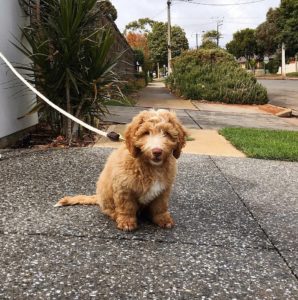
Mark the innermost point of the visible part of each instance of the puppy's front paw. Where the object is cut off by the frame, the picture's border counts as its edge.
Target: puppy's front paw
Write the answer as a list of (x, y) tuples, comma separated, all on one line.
[(127, 224), (164, 221)]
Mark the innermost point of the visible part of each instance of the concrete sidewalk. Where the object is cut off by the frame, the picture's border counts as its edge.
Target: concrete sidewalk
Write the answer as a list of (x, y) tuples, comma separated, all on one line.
[(235, 237), (201, 119), (206, 142), (155, 95)]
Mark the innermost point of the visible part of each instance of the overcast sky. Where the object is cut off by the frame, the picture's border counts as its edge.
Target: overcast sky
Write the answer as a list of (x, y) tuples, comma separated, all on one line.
[(194, 18)]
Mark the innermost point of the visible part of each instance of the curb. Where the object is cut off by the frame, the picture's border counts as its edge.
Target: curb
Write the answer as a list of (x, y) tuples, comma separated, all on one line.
[(277, 78)]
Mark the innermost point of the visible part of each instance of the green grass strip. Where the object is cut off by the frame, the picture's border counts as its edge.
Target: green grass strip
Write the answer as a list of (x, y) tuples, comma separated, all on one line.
[(293, 74), (264, 144)]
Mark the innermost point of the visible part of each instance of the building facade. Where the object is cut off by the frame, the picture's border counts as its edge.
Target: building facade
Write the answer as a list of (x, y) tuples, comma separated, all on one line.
[(15, 100)]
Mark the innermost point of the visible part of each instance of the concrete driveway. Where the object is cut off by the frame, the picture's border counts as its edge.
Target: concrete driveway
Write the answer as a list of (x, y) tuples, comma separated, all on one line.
[(235, 235), (282, 93)]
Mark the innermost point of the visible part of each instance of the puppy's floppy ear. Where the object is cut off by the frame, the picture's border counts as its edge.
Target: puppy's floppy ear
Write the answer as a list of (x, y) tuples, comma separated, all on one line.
[(182, 134), (131, 132)]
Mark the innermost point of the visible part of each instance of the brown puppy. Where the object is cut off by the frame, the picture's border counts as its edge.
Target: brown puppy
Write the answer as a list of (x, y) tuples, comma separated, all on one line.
[(140, 174)]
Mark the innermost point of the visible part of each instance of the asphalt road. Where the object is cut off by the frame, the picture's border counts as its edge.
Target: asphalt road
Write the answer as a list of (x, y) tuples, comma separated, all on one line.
[(282, 93)]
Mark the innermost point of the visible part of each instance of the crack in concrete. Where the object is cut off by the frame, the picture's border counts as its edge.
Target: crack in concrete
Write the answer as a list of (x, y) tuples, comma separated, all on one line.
[(186, 111), (139, 239), (276, 249)]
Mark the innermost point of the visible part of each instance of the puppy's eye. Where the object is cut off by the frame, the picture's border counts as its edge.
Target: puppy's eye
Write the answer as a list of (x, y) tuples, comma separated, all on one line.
[(146, 133), (166, 134)]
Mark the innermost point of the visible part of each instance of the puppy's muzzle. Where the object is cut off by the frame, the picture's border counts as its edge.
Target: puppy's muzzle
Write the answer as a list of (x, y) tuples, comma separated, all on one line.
[(157, 152)]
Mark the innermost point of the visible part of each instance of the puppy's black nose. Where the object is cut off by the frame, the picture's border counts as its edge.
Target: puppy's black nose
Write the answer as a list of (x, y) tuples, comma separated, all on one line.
[(157, 152)]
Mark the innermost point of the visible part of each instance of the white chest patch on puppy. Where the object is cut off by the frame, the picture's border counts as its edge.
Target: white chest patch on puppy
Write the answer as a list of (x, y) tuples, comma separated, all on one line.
[(155, 190)]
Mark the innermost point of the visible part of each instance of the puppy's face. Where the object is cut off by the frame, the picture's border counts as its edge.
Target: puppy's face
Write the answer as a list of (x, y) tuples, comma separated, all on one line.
[(155, 135)]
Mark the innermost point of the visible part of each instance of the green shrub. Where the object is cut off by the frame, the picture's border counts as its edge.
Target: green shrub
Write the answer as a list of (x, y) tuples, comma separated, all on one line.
[(142, 75), (213, 75), (293, 74), (133, 86), (273, 65)]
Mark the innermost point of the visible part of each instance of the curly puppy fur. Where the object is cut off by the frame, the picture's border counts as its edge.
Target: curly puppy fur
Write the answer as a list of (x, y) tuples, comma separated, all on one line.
[(139, 175)]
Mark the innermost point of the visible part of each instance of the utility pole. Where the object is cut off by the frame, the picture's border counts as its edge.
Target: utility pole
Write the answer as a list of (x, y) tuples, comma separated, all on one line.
[(218, 24), (283, 61), (197, 39), (169, 38)]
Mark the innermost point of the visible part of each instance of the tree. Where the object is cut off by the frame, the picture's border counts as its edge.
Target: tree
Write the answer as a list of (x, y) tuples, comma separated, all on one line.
[(207, 44), (139, 56), (138, 41), (244, 44), (157, 42), (141, 25), (136, 34), (267, 33), (281, 26), (211, 36), (287, 24)]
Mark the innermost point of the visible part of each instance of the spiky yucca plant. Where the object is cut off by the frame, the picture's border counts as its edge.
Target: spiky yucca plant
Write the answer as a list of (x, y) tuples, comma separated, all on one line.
[(70, 59)]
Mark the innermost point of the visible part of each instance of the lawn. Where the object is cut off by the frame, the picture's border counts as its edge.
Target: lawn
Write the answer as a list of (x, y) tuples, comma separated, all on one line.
[(294, 74), (265, 144)]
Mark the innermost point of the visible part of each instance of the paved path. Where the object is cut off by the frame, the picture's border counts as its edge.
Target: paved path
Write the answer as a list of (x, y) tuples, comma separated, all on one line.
[(203, 119), (282, 93), (155, 95), (235, 237), (199, 115), (206, 142)]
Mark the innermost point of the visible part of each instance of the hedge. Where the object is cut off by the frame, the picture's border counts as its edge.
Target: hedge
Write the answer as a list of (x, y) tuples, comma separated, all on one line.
[(214, 75)]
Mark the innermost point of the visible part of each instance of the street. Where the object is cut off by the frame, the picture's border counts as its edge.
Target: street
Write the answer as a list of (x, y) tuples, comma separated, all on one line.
[(282, 93)]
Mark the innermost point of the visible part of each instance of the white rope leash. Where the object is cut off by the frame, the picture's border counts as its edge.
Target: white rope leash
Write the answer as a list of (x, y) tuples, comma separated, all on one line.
[(40, 95)]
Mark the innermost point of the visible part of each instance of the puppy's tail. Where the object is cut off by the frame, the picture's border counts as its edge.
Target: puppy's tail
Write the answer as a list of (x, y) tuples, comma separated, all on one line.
[(80, 199)]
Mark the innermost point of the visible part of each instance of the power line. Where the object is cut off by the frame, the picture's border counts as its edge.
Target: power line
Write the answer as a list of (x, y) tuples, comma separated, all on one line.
[(158, 14), (221, 4)]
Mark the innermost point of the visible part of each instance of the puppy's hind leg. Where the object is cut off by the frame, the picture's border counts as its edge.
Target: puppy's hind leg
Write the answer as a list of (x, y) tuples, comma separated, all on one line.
[(79, 199)]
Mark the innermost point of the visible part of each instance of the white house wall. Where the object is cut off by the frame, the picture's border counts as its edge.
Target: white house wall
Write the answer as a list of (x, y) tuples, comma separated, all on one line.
[(290, 68), (15, 100)]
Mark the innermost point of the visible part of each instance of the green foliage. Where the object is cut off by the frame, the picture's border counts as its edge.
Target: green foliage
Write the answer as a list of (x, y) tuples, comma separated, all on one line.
[(132, 86), (267, 33), (264, 144), (211, 36), (157, 42), (140, 25), (207, 44), (213, 74), (293, 74), (70, 61), (273, 65), (139, 56), (281, 26), (287, 24), (244, 44)]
